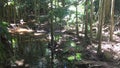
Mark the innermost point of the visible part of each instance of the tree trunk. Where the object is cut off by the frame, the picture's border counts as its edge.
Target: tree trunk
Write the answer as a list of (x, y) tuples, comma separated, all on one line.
[(91, 18), (101, 21), (112, 20), (86, 22), (35, 9), (14, 9), (77, 29), (1, 11), (107, 11), (52, 35)]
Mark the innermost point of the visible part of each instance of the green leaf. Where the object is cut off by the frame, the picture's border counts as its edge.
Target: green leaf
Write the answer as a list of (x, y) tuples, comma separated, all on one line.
[(78, 56), (71, 58), (73, 44)]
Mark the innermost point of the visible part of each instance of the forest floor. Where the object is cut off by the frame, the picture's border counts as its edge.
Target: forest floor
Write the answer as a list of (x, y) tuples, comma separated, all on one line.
[(110, 49), (110, 57)]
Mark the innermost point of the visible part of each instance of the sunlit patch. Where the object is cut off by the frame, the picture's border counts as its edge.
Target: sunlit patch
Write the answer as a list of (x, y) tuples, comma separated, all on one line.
[(73, 44), (24, 30), (112, 48), (73, 8), (77, 56), (37, 34), (20, 62), (20, 30), (41, 31)]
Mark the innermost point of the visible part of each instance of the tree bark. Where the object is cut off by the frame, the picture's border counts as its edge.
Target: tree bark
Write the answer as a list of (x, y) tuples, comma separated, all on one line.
[(86, 20), (52, 35), (91, 18), (77, 29), (101, 21), (112, 20)]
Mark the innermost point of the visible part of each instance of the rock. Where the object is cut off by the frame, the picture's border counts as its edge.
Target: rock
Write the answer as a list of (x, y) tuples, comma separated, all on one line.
[(106, 56)]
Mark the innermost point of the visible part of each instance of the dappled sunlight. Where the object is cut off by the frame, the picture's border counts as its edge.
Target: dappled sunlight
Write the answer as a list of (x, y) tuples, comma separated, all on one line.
[(116, 38), (20, 63), (41, 31), (112, 47), (38, 34), (20, 30), (116, 32), (23, 30), (59, 34)]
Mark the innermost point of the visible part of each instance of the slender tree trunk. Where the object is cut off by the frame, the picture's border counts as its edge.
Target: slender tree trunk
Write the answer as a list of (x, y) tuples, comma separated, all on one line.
[(77, 29), (52, 35), (35, 9), (91, 16), (14, 9), (8, 12), (1, 11), (86, 22), (112, 20), (100, 27), (19, 10), (101, 21)]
